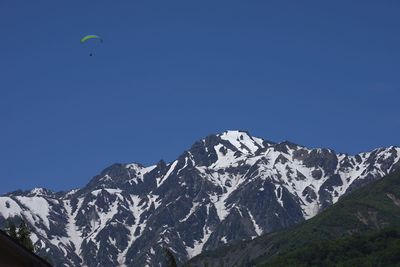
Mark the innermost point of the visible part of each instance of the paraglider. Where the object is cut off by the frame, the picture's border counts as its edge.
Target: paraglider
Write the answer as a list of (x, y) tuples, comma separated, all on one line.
[(88, 37), (91, 37)]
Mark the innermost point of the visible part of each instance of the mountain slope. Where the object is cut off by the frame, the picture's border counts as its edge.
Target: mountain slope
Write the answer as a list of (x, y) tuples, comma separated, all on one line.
[(380, 248), (373, 207), (227, 187)]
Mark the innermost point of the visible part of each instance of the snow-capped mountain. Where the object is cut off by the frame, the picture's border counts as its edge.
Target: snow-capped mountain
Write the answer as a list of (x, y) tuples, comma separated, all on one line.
[(226, 187)]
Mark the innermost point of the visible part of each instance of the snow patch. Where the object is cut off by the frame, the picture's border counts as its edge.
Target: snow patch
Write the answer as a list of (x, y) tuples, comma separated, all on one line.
[(193, 209), (37, 206), (109, 190), (161, 180), (9, 208), (198, 244), (136, 211), (257, 228), (75, 236)]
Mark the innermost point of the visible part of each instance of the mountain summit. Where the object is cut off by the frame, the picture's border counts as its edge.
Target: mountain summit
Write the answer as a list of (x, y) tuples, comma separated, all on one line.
[(227, 187)]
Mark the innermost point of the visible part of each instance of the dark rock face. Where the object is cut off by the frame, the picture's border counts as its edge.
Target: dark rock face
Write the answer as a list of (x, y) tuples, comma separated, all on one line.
[(225, 188)]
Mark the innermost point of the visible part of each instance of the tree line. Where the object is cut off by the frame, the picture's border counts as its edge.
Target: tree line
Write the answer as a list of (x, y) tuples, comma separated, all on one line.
[(21, 235)]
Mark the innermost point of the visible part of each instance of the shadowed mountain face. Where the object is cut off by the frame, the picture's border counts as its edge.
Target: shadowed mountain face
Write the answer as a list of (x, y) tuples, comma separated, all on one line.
[(225, 188), (362, 216)]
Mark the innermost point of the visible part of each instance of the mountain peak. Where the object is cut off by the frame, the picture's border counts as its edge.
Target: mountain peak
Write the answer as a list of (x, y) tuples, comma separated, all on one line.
[(236, 133), (227, 187), (40, 191), (243, 141)]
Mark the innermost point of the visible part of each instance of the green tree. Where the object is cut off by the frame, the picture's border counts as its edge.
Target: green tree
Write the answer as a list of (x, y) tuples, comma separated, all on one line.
[(24, 236), (11, 229)]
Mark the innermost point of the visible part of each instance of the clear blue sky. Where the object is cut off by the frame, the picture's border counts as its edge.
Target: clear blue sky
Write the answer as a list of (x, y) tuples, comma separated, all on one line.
[(318, 73)]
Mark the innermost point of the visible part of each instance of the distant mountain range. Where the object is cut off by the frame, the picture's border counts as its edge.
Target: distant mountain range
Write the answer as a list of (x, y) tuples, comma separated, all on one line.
[(362, 229), (226, 188)]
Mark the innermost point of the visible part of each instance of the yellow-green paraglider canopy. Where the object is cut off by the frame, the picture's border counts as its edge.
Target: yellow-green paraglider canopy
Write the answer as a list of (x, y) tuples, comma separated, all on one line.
[(88, 37)]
